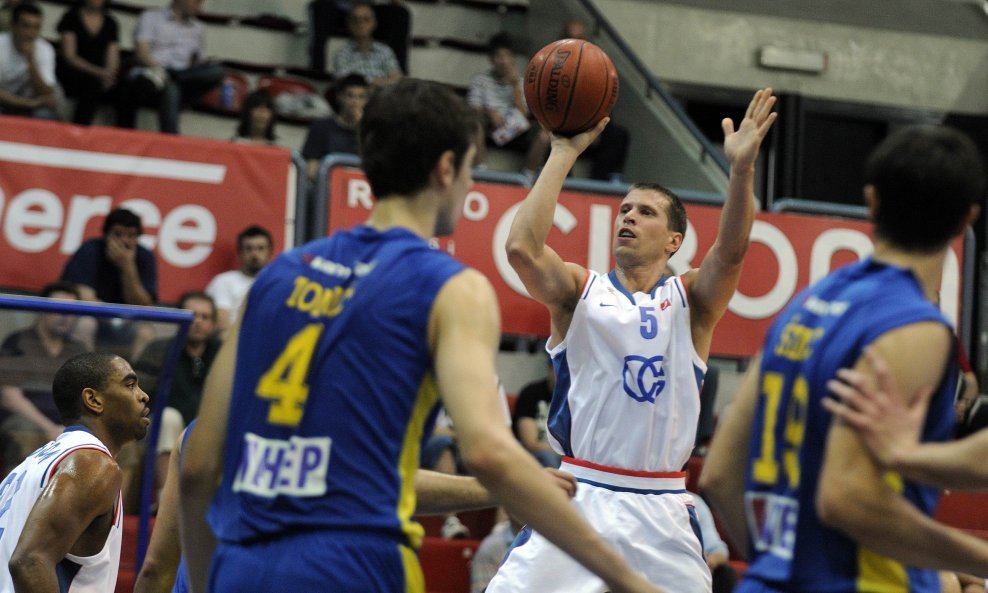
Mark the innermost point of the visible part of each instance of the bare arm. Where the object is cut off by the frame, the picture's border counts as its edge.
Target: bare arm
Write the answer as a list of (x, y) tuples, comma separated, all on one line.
[(142, 51), (85, 487), (725, 469), (890, 427), (528, 434), (202, 464), (164, 551), (855, 495), (712, 285), (464, 333), (438, 493), (11, 100), (547, 278)]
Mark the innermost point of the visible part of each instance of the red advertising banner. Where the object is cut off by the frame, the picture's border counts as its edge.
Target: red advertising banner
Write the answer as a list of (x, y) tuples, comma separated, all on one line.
[(58, 181), (788, 252)]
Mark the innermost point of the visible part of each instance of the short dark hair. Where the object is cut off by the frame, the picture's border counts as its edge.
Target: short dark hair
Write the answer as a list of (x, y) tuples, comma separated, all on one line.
[(258, 98), (122, 217), (500, 41), (675, 212), (87, 370), (25, 8), (352, 79), (196, 295), (927, 178), (406, 128), (253, 231), (61, 286)]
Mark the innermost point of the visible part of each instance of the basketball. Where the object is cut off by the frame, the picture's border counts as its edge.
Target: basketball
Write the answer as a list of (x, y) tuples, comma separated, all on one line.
[(570, 85)]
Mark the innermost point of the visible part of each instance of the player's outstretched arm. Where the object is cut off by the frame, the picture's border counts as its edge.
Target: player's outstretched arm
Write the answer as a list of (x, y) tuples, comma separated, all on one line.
[(464, 331), (438, 493), (891, 429), (164, 551), (717, 277), (202, 463), (546, 277), (722, 482), (854, 496), (85, 487)]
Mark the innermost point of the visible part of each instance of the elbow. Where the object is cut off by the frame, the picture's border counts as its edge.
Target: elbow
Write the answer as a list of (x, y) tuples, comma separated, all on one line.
[(838, 507), (488, 461), (23, 565), (520, 253)]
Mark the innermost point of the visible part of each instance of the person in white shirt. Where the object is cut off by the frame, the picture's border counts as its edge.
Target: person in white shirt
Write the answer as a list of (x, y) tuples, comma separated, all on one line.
[(27, 67), (254, 250)]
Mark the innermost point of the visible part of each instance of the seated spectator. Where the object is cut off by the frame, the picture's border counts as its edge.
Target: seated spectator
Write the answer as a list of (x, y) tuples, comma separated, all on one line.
[(328, 17), (90, 56), (188, 377), (609, 151), (361, 54), (339, 132), (169, 45), (28, 360), (114, 268), (532, 415), (715, 550), (228, 289), (257, 120), (497, 94), (6, 8), (27, 67)]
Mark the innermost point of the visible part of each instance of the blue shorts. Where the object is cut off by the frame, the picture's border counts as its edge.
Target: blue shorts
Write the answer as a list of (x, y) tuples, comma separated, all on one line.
[(341, 562)]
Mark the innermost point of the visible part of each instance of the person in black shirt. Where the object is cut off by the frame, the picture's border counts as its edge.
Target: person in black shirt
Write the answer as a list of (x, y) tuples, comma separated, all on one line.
[(339, 132), (89, 56), (531, 415)]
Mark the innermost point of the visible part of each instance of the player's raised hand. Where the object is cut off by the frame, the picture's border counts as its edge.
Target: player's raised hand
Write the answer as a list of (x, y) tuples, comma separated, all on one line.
[(580, 141), (889, 427), (741, 146)]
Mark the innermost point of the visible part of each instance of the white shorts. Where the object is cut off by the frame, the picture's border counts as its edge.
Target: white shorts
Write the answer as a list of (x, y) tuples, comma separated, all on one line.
[(649, 521)]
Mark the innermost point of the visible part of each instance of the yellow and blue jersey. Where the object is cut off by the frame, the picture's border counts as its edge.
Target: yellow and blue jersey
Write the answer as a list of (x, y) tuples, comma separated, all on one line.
[(823, 329), (333, 390)]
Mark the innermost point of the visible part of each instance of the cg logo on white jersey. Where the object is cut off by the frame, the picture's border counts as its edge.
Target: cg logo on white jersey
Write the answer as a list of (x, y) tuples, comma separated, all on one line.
[(644, 378)]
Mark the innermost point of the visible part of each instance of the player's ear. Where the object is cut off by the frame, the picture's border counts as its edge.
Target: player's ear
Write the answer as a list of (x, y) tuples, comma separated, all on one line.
[(445, 169), (675, 242), (92, 400)]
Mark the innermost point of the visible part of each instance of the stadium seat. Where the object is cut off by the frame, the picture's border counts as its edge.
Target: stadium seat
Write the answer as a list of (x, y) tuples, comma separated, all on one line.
[(966, 510), (446, 564), (295, 100)]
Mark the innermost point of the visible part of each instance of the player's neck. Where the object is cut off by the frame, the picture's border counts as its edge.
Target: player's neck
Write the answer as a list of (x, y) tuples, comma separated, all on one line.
[(639, 278), (927, 267), (416, 214)]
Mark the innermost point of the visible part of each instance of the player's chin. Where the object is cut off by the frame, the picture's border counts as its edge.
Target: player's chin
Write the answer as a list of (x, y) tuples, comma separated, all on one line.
[(142, 428)]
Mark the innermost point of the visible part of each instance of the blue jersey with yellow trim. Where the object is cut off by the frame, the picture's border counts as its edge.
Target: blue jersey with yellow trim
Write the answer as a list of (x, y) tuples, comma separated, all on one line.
[(333, 389), (825, 328)]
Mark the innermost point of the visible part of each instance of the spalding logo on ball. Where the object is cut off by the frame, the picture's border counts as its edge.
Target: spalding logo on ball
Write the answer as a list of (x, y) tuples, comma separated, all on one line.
[(570, 85)]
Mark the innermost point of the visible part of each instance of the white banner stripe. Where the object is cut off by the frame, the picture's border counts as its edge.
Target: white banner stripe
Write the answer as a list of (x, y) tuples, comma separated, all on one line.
[(104, 162)]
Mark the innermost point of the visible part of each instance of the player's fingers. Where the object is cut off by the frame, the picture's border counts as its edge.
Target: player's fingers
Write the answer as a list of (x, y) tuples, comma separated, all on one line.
[(728, 126), (765, 103), (767, 124), (851, 397), (843, 412), (754, 103), (564, 480)]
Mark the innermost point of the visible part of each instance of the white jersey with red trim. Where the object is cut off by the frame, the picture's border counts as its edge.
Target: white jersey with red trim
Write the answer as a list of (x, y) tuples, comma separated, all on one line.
[(21, 489), (627, 378)]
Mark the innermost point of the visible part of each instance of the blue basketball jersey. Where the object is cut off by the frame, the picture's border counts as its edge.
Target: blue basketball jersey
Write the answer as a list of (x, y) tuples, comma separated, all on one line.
[(333, 390), (825, 328)]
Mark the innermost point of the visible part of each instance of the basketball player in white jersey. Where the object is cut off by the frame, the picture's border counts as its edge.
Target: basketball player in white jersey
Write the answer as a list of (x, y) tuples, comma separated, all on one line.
[(630, 350), (60, 510)]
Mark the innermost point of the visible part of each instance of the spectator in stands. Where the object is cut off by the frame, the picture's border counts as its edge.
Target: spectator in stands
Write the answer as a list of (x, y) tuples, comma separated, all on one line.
[(6, 8), (532, 414), (90, 56), (328, 17), (27, 67), (228, 289), (28, 360), (114, 268), (362, 55), (169, 44), (188, 377), (339, 132), (257, 120), (609, 151), (715, 550), (497, 94)]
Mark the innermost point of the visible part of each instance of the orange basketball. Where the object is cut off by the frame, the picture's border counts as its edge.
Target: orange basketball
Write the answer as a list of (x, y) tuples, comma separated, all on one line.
[(570, 85)]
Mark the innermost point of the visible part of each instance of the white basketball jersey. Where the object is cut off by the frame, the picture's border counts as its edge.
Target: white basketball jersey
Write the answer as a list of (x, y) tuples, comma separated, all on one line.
[(627, 378), (21, 489)]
